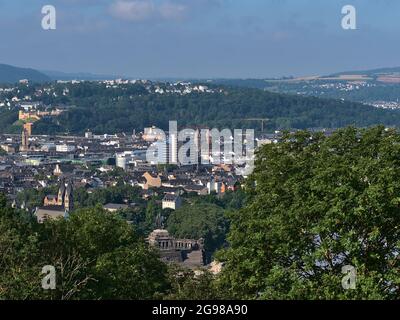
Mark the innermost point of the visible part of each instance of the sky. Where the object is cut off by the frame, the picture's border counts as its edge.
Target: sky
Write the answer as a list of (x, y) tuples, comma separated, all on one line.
[(200, 38)]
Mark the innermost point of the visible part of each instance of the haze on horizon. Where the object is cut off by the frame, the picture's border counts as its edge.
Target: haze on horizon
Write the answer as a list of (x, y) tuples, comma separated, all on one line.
[(200, 38)]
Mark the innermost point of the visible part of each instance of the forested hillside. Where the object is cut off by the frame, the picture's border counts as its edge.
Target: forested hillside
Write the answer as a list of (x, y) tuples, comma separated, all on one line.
[(10, 74), (122, 109)]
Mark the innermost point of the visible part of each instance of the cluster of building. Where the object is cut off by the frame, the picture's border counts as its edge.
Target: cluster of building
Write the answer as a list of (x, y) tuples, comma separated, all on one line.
[(32, 101), (66, 163), (33, 162), (329, 86), (187, 252), (180, 88), (31, 107), (393, 105)]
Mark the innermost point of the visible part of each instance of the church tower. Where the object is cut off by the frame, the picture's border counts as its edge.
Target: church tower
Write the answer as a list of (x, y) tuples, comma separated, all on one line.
[(61, 193), (68, 197), (25, 140)]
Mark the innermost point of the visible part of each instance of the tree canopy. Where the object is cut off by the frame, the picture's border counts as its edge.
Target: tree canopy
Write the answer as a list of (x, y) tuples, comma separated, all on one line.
[(200, 220), (97, 255), (318, 204)]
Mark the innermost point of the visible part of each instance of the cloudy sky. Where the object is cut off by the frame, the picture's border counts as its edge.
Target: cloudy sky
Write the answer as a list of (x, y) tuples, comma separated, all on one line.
[(200, 38)]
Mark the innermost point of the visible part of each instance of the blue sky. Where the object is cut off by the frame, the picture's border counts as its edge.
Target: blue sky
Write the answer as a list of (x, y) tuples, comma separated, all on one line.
[(200, 38)]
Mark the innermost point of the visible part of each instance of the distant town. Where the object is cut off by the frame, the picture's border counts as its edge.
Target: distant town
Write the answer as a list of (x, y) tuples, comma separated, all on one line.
[(199, 158), (173, 183), (92, 162)]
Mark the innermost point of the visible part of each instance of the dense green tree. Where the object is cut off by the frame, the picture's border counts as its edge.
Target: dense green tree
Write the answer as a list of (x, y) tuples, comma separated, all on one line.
[(8, 119), (97, 255), (200, 220), (18, 254), (234, 200), (318, 204), (130, 273), (154, 215), (117, 194), (188, 285)]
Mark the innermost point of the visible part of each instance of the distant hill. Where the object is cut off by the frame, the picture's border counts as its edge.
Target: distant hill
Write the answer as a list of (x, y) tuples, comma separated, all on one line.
[(122, 109), (380, 71), (11, 74), (382, 75), (109, 109), (66, 76)]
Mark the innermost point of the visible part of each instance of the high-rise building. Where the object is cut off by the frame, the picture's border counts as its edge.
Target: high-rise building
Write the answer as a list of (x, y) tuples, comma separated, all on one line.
[(25, 139), (28, 127), (120, 161), (173, 149), (88, 135)]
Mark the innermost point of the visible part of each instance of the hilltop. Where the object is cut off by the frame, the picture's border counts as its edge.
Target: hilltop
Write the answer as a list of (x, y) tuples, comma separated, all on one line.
[(11, 74), (106, 107)]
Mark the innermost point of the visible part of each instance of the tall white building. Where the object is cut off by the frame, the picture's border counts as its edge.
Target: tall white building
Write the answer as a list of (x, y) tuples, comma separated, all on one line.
[(120, 161), (173, 149), (157, 153)]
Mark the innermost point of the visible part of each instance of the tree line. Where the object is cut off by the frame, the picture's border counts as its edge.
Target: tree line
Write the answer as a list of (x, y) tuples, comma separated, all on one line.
[(95, 107)]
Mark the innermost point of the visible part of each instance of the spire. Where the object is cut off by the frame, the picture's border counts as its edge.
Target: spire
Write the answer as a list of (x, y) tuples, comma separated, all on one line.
[(68, 197), (61, 193)]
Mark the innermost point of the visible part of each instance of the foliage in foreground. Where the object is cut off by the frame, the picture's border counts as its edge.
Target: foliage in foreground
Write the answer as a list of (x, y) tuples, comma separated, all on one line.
[(97, 255), (319, 203)]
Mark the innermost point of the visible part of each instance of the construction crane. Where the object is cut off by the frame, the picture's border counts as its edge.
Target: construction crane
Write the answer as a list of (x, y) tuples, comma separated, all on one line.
[(263, 120)]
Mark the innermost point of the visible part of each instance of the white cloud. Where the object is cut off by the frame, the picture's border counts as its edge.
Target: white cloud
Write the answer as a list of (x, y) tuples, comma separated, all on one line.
[(142, 10), (133, 10), (171, 10)]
